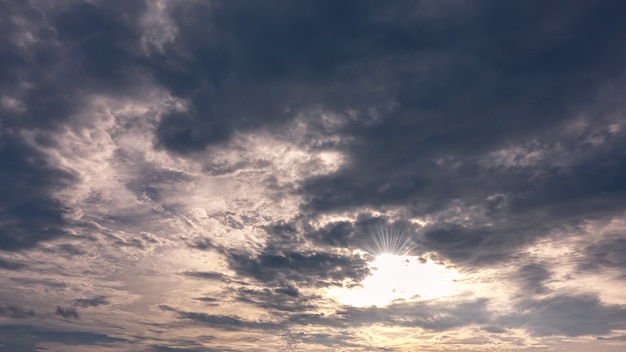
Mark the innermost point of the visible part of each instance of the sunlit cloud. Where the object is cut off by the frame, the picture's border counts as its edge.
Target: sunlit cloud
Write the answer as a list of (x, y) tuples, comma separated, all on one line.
[(400, 278)]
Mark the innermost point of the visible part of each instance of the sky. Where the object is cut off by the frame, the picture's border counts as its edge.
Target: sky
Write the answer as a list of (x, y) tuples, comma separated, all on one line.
[(312, 175)]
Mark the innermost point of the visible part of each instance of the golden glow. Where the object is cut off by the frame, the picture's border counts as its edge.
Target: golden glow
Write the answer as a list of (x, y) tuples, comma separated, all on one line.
[(400, 277)]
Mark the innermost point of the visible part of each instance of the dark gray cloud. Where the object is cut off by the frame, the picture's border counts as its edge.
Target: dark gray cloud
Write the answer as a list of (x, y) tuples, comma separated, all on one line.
[(337, 234), (569, 315), (140, 241), (475, 98), (608, 253), (28, 211), (52, 61), (444, 98), (363, 57), (470, 130), (429, 316), (372, 233), (67, 312), (531, 206), (70, 250), (11, 265), (103, 41), (16, 312), (283, 299), (532, 278), (428, 153), (209, 300), (289, 291), (306, 268), (174, 349), (151, 182), (276, 58), (208, 275), (493, 329), (48, 283), (57, 55), (590, 188), (226, 322), (342, 340), (91, 302), (460, 243), (202, 244), (77, 337), (25, 338), (616, 338)]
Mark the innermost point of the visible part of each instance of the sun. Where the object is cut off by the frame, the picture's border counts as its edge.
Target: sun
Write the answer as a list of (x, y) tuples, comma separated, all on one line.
[(400, 277), (397, 275)]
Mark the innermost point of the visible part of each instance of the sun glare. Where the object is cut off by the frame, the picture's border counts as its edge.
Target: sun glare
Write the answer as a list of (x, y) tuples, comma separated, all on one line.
[(388, 240), (397, 274), (400, 277)]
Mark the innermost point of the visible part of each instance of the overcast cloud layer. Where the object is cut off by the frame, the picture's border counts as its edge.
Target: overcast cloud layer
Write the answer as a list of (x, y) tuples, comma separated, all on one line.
[(223, 175)]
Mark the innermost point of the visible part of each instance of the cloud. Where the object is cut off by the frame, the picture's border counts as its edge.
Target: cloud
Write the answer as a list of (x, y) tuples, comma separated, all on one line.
[(31, 338), (222, 321), (532, 278), (331, 341), (16, 312), (45, 282), (605, 253), (318, 269), (277, 300), (50, 91), (494, 329), (171, 349), (11, 265), (91, 302), (208, 275), (561, 315), (618, 338), (373, 233), (29, 211), (67, 312), (174, 167), (428, 316), (289, 291), (436, 317), (433, 317)]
